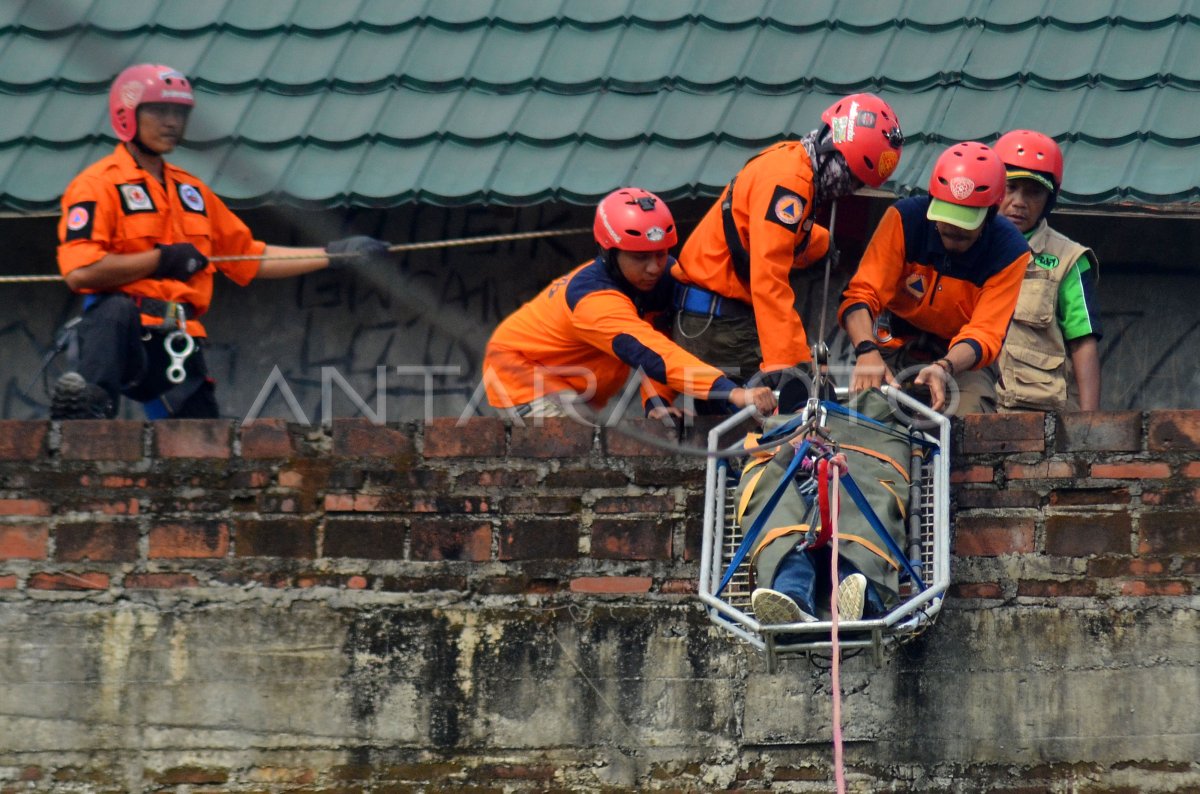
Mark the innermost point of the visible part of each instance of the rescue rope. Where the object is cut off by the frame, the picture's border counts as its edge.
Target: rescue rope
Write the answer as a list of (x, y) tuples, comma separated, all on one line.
[(392, 249), (839, 771)]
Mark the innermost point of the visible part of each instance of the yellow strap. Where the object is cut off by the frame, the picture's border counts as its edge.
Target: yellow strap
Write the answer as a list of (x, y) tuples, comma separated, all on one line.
[(774, 534), (750, 486), (879, 456), (899, 502)]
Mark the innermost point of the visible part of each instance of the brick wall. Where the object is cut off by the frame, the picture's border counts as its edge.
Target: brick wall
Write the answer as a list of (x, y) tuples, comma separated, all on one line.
[(275, 607)]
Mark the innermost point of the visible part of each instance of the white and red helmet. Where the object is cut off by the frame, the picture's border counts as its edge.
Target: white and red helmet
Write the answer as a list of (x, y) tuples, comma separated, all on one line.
[(866, 131), (967, 180), (142, 84), (632, 219)]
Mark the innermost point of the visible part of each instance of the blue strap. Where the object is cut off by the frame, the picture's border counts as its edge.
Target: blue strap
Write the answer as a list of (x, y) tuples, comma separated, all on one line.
[(835, 408), (864, 507), (764, 514)]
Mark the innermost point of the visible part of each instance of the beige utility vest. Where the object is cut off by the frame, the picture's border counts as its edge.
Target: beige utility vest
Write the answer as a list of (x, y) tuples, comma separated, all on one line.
[(1033, 364)]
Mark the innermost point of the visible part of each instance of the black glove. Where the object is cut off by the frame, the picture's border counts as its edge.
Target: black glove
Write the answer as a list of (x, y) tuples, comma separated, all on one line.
[(179, 261), (357, 250)]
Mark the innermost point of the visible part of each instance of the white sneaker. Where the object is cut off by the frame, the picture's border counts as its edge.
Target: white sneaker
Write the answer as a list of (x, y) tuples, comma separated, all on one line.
[(772, 607), (852, 594)]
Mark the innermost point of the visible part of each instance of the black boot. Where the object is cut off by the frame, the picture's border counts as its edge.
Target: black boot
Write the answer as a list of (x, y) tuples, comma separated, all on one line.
[(75, 398)]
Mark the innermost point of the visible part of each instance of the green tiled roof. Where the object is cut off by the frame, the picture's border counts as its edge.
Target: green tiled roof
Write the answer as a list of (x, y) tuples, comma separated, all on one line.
[(383, 102)]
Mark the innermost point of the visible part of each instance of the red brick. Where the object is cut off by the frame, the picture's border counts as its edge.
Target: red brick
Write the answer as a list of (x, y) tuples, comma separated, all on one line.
[(364, 538), (360, 438), (1168, 431), (24, 541), (101, 439), (1048, 469), (1049, 588), (1099, 431), (641, 438), (159, 581), (635, 504), (180, 775), (972, 474), (1131, 471), (1017, 432), (1165, 532), (585, 479), (992, 536), (645, 539), (977, 590), (24, 507), (541, 505), (556, 437), (22, 440), (68, 581), (539, 539), (478, 437), (108, 542), (1171, 497), (293, 538), (451, 540), (357, 583), (266, 438), (687, 587), (497, 478), (8, 582), (1191, 469), (1157, 587), (1075, 497), (198, 540), (1112, 567), (120, 507), (1086, 534), (193, 438), (993, 499), (611, 584)]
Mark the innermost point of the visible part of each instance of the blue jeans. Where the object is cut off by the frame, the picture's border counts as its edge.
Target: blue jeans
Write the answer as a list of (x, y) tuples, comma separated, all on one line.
[(797, 578)]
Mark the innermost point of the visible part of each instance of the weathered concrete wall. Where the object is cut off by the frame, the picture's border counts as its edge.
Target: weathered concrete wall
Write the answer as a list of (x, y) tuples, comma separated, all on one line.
[(437, 309), (197, 606)]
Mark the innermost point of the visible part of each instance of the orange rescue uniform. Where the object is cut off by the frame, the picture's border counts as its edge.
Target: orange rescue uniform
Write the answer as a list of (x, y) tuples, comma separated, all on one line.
[(969, 297), (115, 207), (772, 210), (584, 333)]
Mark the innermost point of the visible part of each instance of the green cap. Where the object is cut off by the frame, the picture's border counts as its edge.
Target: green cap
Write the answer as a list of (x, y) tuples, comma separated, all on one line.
[(1036, 176), (969, 218)]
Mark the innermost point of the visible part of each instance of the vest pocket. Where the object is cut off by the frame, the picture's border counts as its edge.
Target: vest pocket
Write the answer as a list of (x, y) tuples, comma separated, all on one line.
[(1036, 304), (1032, 378)]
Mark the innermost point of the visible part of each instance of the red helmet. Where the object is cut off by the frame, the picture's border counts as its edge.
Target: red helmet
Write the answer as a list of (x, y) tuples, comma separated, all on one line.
[(867, 133), (138, 85), (968, 174), (1031, 155), (632, 219)]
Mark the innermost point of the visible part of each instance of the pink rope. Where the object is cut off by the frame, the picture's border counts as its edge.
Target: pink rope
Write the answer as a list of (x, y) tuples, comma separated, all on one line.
[(839, 771)]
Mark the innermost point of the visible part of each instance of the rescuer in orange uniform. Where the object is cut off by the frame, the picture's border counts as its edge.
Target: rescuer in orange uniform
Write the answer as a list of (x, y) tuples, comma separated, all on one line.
[(938, 283), (135, 236), (736, 304), (579, 339)]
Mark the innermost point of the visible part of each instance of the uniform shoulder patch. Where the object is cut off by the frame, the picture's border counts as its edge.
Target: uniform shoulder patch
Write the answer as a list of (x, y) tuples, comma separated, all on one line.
[(80, 218), (135, 199), (786, 208), (191, 198)]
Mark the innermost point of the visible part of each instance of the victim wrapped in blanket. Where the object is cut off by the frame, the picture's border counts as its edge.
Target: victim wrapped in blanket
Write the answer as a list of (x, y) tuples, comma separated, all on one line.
[(792, 579)]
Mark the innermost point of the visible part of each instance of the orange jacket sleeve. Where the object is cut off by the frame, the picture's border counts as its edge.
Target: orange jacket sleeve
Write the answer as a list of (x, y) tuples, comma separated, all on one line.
[(994, 307), (607, 320)]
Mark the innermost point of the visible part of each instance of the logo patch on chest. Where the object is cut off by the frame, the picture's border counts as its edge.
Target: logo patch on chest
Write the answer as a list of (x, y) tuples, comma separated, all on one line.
[(191, 198), (1046, 261), (134, 199)]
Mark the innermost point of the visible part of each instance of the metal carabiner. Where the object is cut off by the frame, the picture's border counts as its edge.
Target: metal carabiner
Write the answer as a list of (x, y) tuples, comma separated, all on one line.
[(176, 372)]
